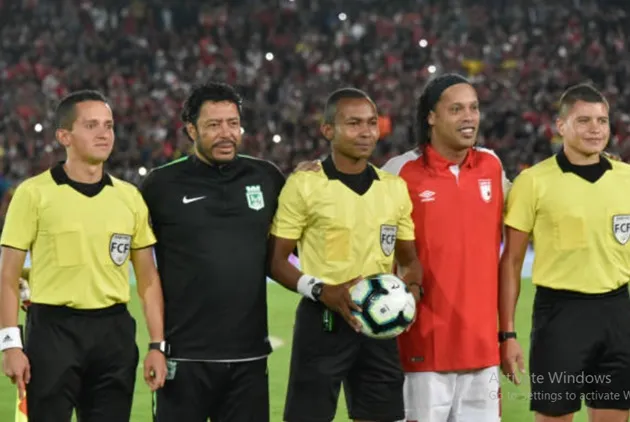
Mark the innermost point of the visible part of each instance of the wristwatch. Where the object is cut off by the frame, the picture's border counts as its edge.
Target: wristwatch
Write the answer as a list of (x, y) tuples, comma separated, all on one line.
[(316, 291), (162, 346), (504, 335)]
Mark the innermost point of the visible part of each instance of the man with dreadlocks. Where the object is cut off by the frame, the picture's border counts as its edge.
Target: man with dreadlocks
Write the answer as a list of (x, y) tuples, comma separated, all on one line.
[(451, 354)]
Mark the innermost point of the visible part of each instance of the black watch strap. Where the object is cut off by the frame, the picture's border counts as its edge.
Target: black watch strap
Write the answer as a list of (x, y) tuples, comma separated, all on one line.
[(505, 335), (161, 346), (316, 291)]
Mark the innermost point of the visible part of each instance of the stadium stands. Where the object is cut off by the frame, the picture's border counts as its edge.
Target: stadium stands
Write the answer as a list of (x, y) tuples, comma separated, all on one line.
[(285, 56)]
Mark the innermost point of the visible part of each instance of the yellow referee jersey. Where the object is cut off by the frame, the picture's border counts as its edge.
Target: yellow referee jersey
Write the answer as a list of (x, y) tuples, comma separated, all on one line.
[(580, 229), (342, 234), (80, 244)]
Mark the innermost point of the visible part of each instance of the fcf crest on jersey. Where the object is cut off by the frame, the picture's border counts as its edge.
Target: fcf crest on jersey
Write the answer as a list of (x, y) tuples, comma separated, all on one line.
[(119, 248), (485, 189), (621, 228), (388, 238), (255, 198)]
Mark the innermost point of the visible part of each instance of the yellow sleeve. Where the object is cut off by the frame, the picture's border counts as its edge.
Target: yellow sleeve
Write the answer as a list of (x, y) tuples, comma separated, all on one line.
[(507, 185), (20, 224), (291, 215), (520, 211), (143, 236), (405, 223)]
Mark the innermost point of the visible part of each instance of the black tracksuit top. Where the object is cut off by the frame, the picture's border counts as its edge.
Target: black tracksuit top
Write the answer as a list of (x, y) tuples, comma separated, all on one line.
[(212, 223)]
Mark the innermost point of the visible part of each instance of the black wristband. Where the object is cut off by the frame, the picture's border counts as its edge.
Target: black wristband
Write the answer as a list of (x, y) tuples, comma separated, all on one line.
[(504, 335), (161, 346)]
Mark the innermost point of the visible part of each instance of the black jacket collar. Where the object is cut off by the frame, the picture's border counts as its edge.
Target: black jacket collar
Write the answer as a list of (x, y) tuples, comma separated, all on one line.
[(222, 168)]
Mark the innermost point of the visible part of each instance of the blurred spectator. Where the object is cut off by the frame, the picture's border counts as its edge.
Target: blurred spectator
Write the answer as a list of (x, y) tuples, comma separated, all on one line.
[(285, 56)]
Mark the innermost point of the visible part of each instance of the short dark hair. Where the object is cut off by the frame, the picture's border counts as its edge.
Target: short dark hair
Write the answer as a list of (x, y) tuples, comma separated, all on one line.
[(210, 91), (330, 111), (65, 113), (581, 92)]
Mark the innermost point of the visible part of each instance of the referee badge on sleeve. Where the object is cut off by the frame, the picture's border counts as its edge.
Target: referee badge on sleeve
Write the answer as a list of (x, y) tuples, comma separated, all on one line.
[(621, 228), (388, 238), (119, 248)]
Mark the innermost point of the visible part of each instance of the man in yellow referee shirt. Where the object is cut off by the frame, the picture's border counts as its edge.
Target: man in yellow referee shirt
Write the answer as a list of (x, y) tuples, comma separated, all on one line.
[(82, 227), (576, 207), (341, 219)]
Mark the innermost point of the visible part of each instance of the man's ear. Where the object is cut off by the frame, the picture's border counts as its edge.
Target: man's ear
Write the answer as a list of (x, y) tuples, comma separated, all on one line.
[(191, 130), (328, 131), (431, 118), (561, 124), (63, 137)]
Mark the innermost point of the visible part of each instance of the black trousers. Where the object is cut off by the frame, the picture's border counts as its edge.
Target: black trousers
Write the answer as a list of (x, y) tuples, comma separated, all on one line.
[(80, 360), (222, 391)]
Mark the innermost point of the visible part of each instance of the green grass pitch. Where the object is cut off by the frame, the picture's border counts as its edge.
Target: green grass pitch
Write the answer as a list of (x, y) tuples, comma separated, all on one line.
[(282, 305)]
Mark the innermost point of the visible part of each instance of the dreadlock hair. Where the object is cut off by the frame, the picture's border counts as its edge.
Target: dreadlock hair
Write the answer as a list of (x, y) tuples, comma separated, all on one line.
[(427, 101)]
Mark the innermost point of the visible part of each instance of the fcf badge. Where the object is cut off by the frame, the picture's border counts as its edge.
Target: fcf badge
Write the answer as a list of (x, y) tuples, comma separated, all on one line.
[(255, 199), (388, 238), (485, 189), (621, 228), (119, 248)]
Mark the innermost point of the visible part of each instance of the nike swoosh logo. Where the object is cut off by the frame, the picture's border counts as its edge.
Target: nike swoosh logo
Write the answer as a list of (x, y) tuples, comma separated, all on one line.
[(189, 200)]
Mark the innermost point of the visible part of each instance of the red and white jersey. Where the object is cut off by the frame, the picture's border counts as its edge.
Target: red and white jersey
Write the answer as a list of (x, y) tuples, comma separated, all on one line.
[(457, 212)]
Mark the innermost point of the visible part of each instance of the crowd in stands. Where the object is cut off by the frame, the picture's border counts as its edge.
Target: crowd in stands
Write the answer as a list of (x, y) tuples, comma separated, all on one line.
[(285, 56)]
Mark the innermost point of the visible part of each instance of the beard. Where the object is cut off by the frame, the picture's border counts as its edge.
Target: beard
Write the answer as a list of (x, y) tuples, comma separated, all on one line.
[(208, 153)]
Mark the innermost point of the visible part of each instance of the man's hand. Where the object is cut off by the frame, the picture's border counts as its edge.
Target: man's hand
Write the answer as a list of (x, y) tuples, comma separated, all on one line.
[(337, 298), (416, 290), (512, 360), (16, 366), (314, 165), (155, 369)]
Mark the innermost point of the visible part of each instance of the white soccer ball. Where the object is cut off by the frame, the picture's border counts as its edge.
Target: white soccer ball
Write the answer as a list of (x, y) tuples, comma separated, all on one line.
[(388, 306)]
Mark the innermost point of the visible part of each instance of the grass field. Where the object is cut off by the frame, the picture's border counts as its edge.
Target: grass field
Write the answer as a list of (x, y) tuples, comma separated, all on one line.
[(282, 305)]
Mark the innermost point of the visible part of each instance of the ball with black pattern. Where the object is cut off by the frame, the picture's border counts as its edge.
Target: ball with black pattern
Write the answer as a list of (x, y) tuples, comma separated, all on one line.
[(387, 305)]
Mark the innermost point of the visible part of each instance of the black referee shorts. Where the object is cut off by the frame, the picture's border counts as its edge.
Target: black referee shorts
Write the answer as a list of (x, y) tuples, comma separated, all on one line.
[(580, 351), (322, 360), (222, 391), (80, 359)]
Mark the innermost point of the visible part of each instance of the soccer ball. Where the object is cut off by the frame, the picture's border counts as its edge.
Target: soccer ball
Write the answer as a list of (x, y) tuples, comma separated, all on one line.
[(387, 305)]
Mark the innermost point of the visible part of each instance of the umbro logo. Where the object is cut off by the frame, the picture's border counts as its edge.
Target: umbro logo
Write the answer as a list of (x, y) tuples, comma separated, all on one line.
[(427, 196), (7, 339), (187, 200)]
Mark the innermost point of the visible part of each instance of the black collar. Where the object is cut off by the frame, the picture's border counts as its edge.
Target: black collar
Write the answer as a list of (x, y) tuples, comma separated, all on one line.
[(219, 167), (358, 183), (61, 178), (591, 172), (88, 189), (333, 174)]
